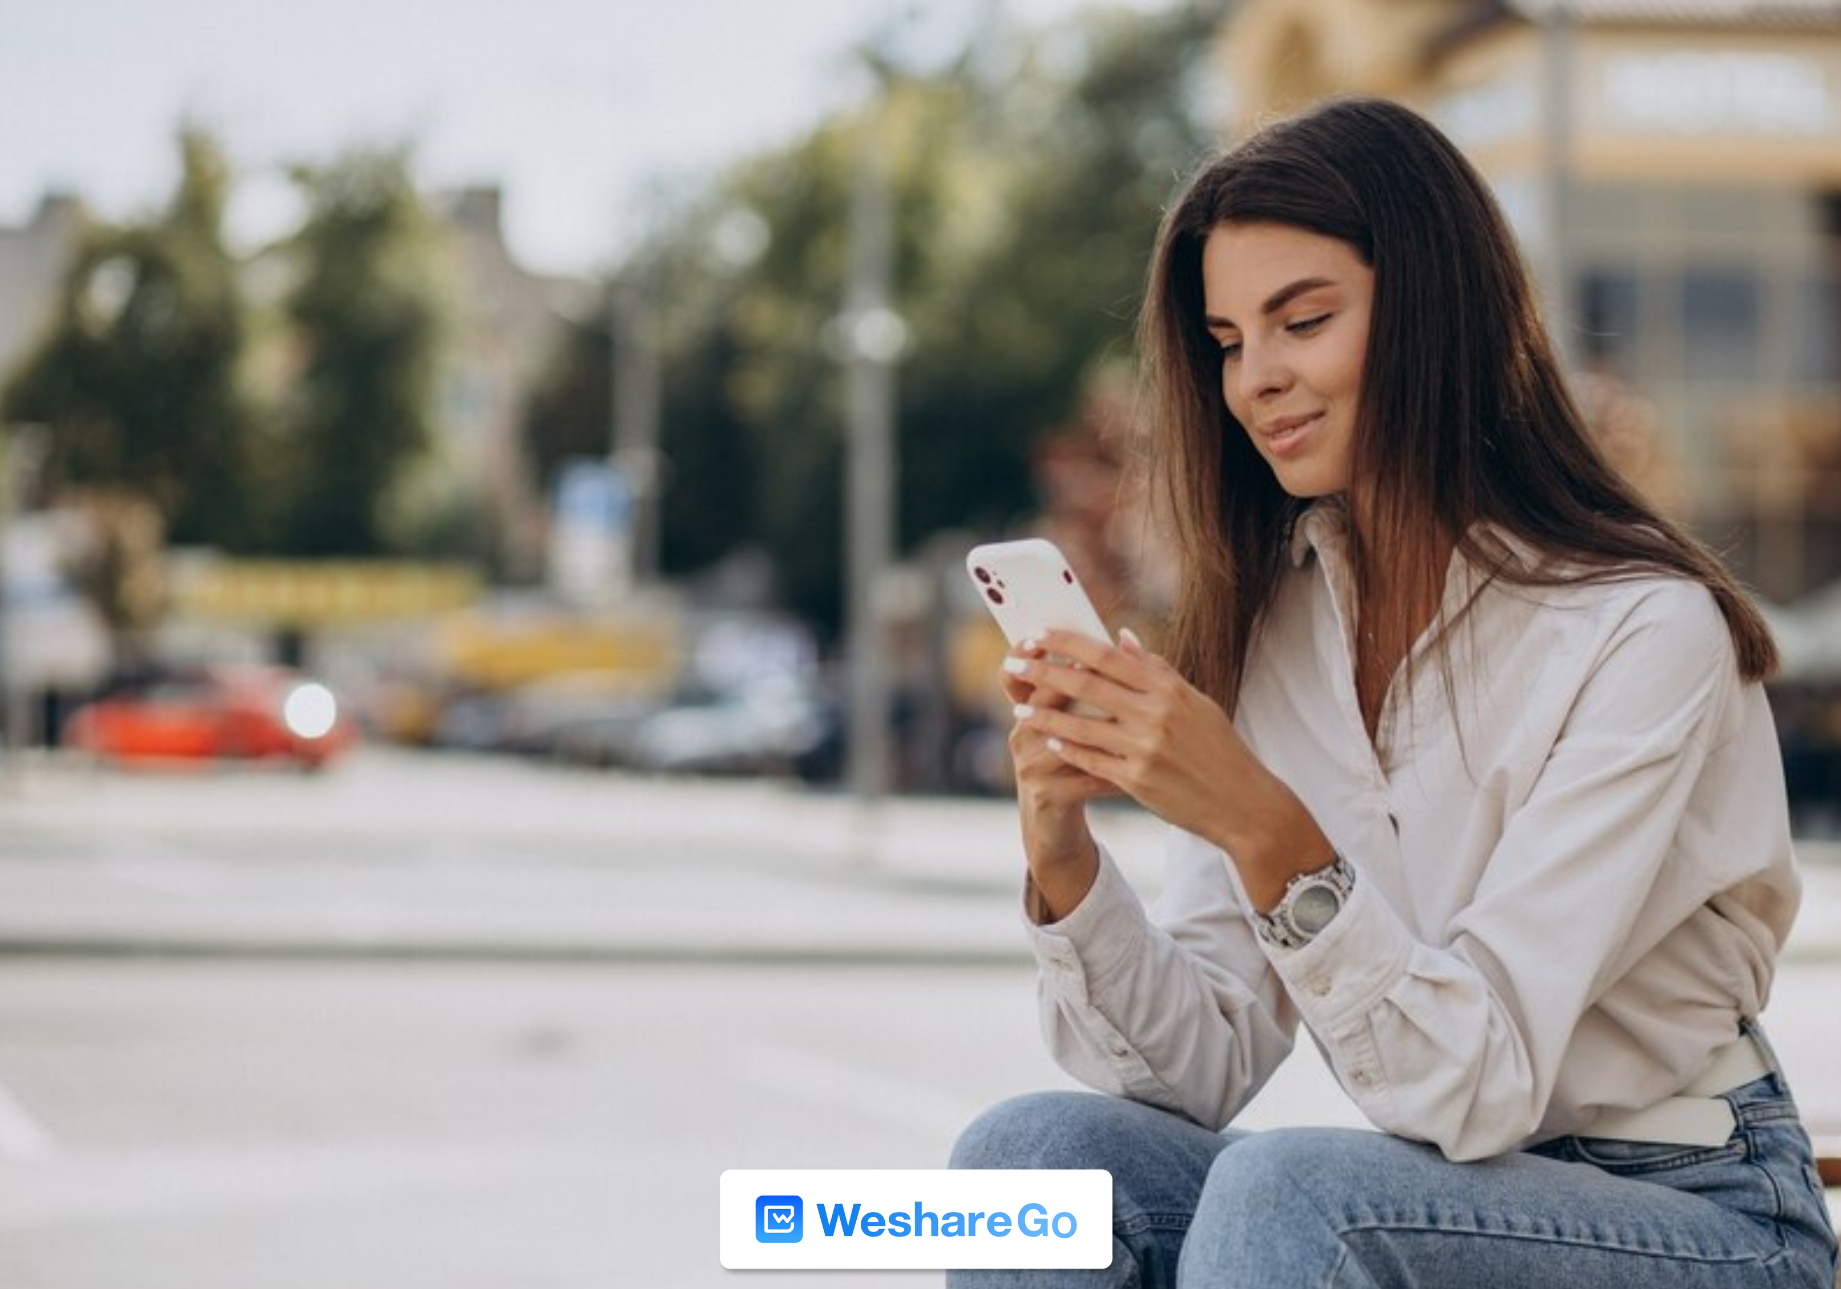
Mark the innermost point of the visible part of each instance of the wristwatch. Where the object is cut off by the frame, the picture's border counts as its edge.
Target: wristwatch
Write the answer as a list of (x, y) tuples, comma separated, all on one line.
[(1311, 900)]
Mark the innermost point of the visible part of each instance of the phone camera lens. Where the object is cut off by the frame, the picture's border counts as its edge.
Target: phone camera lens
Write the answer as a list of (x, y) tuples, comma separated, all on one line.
[(983, 575), (994, 596), (1067, 577)]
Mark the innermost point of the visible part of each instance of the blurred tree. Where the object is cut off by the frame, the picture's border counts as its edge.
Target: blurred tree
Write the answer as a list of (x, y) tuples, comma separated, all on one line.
[(709, 473), (1090, 136), (1028, 175), (138, 378), (366, 308), (569, 412)]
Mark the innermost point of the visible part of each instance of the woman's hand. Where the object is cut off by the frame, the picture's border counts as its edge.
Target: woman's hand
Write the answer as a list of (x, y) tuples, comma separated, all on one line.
[(1052, 795), (1171, 748)]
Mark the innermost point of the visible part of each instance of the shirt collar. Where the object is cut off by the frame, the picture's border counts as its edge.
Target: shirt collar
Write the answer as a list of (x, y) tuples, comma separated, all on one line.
[(1323, 528), (1325, 522)]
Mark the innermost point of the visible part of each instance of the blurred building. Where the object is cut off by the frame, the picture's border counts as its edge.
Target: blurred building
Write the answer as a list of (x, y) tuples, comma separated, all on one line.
[(33, 261), (1673, 169)]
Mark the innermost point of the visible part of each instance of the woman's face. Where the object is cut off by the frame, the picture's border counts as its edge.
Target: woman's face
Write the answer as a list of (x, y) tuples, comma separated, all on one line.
[(1290, 310)]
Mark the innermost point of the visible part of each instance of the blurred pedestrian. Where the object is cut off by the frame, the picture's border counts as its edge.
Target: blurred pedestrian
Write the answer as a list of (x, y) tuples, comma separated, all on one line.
[(1469, 771)]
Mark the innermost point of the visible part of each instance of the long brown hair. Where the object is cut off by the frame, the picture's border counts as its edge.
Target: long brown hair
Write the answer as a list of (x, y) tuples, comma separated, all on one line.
[(1464, 415)]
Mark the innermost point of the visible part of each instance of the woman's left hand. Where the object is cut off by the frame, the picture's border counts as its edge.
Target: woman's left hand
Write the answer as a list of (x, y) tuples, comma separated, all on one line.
[(1174, 750)]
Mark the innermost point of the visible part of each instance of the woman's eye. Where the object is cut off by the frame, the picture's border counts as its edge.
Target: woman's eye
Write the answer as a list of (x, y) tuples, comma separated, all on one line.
[(1304, 326), (1230, 349)]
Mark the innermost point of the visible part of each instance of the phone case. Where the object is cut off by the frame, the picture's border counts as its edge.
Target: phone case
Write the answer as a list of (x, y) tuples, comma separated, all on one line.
[(1029, 588)]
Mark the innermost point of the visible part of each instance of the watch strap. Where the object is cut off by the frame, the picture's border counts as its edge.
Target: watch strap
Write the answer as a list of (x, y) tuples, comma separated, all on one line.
[(1279, 927)]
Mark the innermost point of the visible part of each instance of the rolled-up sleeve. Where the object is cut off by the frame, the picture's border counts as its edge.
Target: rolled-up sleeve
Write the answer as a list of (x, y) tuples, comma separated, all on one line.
[(1179, 1010)]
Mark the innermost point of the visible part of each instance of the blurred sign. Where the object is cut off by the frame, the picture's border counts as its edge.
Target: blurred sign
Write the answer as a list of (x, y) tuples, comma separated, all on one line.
[(497, 654), (591, 534), (53, 636), (320, 593)]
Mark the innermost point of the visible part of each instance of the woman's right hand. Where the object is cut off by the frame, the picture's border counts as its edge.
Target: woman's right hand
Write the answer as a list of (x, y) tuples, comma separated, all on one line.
[(1052, 796)]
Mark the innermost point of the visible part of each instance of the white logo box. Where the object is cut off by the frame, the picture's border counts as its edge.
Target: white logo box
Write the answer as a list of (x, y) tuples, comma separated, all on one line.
[(1069, 1212)]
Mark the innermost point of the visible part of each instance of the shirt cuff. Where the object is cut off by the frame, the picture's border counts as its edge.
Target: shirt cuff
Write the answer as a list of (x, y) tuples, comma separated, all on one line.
[(1347, 970), (1103, 933)]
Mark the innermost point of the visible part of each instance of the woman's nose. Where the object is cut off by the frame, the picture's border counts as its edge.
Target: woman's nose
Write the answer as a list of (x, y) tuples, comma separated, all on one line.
[(1262, 374)]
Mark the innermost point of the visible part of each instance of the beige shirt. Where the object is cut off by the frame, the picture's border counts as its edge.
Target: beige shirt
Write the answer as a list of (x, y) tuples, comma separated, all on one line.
[(1569, 913)]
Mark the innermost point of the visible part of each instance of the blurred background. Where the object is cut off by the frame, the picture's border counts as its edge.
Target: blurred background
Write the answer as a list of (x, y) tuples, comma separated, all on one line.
[(495, 730)]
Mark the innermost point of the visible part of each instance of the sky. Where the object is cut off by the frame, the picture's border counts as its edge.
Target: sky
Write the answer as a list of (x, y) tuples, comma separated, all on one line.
[(578, 108)]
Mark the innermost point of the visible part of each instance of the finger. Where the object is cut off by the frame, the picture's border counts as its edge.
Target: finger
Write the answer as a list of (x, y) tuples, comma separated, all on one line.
[(1087, 731), (1131, 670), (1036, 765), (1130, 644), (1075, 684), (1046, 771), (1089, 761), (1017, 690)]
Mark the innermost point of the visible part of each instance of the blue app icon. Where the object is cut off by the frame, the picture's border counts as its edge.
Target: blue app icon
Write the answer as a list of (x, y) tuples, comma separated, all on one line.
[(779, 1219)]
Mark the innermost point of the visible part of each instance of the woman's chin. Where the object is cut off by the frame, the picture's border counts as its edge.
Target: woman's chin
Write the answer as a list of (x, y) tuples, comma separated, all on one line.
[(1307, 484)]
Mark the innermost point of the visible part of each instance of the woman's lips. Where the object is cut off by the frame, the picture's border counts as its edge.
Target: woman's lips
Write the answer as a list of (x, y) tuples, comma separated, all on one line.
[(1287, 436)]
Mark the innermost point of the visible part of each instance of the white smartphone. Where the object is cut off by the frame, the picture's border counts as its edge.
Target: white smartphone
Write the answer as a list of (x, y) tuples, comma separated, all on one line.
[(1029, 588)]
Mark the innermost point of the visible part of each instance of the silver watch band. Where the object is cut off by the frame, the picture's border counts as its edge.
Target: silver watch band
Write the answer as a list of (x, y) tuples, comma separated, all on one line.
[(1310, 902)]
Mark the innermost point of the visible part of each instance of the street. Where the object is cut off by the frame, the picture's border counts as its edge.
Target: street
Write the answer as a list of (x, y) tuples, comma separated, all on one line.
[(431, 1023), (207, 1124)]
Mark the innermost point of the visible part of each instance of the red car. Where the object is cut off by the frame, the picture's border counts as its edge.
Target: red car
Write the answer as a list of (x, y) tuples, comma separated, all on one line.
[(240, 713)]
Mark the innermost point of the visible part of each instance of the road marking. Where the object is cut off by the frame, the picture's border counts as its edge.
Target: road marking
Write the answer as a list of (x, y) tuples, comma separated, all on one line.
[(839, 1084), (22, 1137)]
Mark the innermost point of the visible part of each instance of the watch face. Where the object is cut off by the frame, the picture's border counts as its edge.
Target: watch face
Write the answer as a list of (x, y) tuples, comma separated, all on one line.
[(1314, 906)]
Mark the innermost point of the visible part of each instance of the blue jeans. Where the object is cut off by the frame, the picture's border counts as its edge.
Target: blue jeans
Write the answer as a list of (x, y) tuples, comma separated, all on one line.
[(1337, 1208)]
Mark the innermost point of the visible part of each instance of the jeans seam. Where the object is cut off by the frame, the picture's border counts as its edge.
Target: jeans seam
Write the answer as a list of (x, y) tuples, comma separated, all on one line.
[(1778, 1209), (1570, 1241), (1142, 1222), (1343, 1256)]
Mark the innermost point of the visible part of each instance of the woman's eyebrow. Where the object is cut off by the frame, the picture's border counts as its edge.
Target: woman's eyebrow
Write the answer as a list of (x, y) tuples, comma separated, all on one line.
[(1276, 301)]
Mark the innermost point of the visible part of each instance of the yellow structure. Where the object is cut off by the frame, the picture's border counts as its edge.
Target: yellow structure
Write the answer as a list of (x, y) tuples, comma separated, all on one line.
[(310, 594), (1673, 170), (639, 654)]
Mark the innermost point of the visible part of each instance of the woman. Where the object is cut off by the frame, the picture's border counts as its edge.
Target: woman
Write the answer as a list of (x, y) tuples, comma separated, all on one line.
[(1498, 815)]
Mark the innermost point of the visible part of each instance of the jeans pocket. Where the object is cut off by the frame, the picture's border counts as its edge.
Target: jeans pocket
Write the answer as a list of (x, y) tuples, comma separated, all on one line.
[(1640, 1158)]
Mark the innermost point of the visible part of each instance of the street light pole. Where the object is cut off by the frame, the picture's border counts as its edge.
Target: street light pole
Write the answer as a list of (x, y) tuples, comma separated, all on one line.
[(873, 339), (634, 400), (1557, 130)]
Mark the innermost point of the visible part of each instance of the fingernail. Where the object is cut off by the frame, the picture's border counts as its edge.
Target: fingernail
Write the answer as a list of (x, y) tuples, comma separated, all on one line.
[(1030, 642), (1055, 745), (1016, 666), (1023, 711), (1130, 637)]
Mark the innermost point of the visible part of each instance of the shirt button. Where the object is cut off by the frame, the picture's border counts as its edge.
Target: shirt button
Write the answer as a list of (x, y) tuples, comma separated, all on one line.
[(1120, 1050), (1361, 1078), (1320, 987)]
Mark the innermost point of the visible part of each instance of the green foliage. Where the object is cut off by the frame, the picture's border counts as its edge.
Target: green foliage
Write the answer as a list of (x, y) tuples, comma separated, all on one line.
[(1027, 179), (367, 310), (569, 414), (139, 378)]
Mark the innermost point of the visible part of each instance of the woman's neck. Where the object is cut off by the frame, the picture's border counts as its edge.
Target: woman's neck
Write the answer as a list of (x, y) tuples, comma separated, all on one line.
[(1399, 586)]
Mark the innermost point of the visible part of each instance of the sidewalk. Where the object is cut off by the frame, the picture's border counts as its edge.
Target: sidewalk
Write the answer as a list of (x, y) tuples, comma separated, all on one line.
[(407, 855), (404, 855)]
